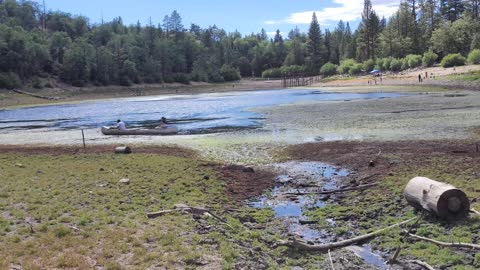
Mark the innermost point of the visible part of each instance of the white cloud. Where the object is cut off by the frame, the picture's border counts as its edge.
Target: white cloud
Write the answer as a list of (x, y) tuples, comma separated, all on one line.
[(273, 33), (347, 10)]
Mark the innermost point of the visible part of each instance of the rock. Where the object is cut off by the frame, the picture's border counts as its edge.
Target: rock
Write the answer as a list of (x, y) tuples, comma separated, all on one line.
[(206, 177), (181, 206), (101, 169), (125, 181), (248, 170), (19, 165)]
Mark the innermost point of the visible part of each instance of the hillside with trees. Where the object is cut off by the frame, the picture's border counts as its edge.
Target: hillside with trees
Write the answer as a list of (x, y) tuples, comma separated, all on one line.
[(39, 47)]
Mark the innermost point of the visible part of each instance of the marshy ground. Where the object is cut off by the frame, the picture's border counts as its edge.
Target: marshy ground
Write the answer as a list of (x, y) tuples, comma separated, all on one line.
[(64, 207)]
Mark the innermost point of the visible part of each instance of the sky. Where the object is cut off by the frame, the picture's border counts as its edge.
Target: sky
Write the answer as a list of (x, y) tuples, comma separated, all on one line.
[(246, 16)]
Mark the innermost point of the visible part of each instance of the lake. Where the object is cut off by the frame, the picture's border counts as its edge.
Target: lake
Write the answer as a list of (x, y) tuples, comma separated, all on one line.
[(202, 113)]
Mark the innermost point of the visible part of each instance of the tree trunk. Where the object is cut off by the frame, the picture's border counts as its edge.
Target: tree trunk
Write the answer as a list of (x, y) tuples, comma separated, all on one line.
[(444, 200)]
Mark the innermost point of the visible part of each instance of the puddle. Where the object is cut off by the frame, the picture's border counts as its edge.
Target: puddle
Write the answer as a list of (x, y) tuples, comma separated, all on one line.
[(300, 176), (371, 258)]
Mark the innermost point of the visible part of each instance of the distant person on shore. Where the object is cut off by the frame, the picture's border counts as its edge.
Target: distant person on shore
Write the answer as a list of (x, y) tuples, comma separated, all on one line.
[(419, 78), (163, 123), (121, 125)]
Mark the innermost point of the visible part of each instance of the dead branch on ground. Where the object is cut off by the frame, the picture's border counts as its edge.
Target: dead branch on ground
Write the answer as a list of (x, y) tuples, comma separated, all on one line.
[(304, 246), (445, 244)]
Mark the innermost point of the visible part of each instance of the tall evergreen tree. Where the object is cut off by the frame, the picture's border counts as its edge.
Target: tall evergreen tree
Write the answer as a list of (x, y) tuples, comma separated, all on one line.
[(316, 51)]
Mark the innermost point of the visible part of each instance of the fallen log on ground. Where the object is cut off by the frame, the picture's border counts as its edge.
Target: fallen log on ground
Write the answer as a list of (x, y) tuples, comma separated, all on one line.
[(445, 244), (423, 264), (323, 247), (444, 200), (334, 191)]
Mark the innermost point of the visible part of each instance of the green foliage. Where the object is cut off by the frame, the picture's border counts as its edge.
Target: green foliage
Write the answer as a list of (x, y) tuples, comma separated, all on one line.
[(328, 69), (9, 80), (413, 60), (453, 60), (474, 57), (429, 58), (396, 65), (345, 66), (355, 69), (229, 73), (273, 73), (181, 78), (293, 70), (369, 65)]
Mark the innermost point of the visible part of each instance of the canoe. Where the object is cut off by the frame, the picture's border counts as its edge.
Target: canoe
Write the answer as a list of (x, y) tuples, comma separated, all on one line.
[(152, 132)]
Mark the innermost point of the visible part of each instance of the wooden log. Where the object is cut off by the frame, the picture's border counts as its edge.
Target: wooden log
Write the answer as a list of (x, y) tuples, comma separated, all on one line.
[(423, 264), (445, 244), (444, 200), (323, 247), (360, 187), (123, 150)]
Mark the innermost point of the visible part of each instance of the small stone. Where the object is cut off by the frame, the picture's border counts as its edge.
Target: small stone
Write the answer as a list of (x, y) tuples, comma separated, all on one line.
[(102, 169), (19, 165), (125, 181), (248, 170), (206, 177)]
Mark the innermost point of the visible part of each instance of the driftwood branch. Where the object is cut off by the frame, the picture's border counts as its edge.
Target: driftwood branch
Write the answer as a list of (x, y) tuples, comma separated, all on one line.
[(423, 264), (445, 244), (331, 261), (335, 190), (475, 211), (161, 213), (304, 246)]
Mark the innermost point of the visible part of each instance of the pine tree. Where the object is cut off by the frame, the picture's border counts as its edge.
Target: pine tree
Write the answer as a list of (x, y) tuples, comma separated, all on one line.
[(315, 47), (368, 33)]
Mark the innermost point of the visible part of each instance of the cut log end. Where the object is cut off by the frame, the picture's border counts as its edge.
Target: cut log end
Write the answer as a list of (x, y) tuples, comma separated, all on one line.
[(446, 201)]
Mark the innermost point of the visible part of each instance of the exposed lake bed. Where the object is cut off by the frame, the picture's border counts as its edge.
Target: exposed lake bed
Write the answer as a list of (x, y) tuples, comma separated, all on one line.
[(309, 145)]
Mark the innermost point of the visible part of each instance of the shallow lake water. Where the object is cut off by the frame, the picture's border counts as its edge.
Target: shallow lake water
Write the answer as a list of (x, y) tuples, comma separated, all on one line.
[(203, 113)]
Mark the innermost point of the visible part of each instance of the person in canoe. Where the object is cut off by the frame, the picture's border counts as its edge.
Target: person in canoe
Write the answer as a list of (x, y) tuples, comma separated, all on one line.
[(163, 123), (120, 125)]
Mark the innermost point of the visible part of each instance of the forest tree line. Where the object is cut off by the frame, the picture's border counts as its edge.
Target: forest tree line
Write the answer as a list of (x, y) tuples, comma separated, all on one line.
[(39, 46)]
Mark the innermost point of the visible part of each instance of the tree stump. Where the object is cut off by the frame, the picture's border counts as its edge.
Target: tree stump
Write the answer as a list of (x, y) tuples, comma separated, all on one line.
[(444, 200)]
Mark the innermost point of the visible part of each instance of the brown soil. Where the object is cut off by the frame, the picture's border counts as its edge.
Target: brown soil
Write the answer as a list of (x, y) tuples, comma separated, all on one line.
[(245, 182), (379, 159)]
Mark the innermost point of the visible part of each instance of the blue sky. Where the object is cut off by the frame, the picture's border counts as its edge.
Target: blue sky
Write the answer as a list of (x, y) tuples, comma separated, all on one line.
[(245, 16)]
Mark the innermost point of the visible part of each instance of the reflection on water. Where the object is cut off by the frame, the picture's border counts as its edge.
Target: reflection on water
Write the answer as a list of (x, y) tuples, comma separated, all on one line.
[(203, 113), (290, 207)]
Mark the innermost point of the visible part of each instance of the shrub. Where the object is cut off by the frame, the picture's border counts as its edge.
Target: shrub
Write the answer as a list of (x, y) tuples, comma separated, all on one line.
[(9, 80), (230, 73), (345, 66), (404, 64), (272, 73), (37, 83), (355, 69), (215, 77), (453, 60), (474, 57), (369, 65), (328, 69), (386, 63), (413, 60), (181, 78), (293, 70), (379, 63), (429, 58), (396, 64)]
